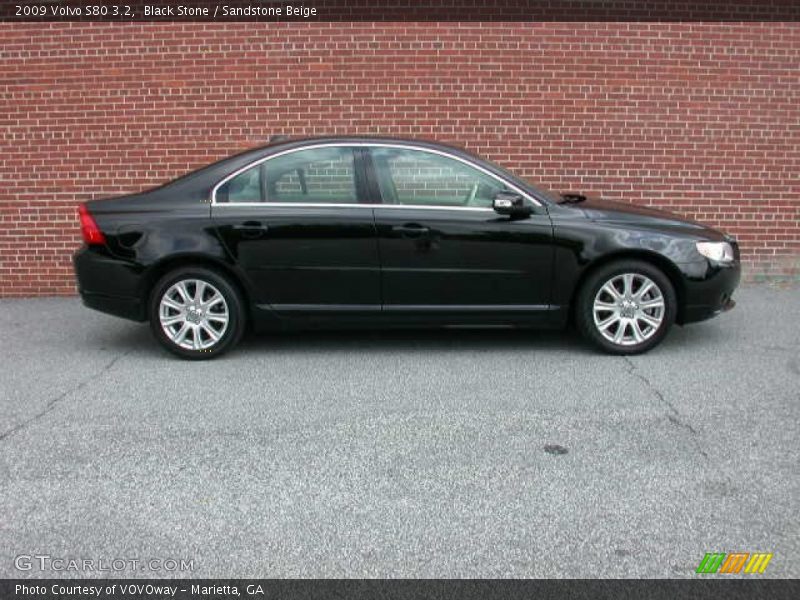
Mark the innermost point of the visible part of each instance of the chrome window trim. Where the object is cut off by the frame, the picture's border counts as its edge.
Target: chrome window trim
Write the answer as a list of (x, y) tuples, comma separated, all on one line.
[(255, 163), (361, 205)]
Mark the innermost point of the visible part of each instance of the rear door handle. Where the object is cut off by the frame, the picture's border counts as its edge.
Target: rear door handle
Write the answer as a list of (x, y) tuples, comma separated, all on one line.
[(411, 230)]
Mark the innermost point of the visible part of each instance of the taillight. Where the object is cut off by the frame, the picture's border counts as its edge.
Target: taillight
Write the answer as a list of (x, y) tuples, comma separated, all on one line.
[(91, 232)]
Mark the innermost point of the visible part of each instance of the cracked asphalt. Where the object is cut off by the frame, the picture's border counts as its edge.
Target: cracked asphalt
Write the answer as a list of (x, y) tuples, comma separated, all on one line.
[(401, 454)]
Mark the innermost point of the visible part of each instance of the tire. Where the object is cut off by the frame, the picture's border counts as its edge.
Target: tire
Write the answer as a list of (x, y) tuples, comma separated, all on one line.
[(644, 318), (194, 334)]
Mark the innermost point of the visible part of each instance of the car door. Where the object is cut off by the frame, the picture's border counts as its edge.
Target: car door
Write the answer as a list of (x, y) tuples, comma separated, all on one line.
[(443, 247), (296, 225)]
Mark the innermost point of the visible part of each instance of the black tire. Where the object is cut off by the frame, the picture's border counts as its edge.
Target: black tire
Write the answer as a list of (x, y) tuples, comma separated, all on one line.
[(584, 308), (232, 332)]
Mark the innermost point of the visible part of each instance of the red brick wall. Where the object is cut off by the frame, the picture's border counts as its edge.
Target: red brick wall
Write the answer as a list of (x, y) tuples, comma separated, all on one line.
[(703, 119)]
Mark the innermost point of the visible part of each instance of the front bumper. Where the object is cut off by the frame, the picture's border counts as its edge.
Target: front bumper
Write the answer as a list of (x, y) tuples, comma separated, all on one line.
[(109, 284), (708, 290)]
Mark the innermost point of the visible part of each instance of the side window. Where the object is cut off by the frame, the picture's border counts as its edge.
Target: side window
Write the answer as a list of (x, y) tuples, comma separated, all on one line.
[(324, 175), (245, 187), (320, 175), (415, 177)]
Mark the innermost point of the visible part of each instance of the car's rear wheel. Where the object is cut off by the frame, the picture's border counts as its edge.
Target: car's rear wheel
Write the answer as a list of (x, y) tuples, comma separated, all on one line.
[(196, 313), (626, 307)]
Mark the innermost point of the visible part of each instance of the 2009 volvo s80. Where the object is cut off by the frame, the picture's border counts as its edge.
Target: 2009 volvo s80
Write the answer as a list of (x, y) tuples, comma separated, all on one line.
[(365, 231)]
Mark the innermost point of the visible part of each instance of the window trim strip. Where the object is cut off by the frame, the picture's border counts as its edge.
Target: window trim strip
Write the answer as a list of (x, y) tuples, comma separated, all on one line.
[(264, 159)]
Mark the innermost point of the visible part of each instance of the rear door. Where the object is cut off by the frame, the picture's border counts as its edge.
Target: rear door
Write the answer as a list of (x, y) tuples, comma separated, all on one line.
[(442, 246), (299, 227)]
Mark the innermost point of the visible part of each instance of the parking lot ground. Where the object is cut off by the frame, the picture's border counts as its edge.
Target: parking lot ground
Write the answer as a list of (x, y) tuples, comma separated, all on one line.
[(401, 454)]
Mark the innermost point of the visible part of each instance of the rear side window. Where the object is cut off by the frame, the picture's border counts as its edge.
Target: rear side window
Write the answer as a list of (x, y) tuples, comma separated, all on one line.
[(319, 175), (325, 175)]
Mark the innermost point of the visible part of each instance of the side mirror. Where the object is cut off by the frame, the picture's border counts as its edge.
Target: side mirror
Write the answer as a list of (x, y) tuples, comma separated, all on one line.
[(511, 204)]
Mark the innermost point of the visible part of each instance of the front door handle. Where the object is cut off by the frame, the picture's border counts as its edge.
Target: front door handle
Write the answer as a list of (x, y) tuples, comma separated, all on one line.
[(251, 226), (411, 230), (251, 229)]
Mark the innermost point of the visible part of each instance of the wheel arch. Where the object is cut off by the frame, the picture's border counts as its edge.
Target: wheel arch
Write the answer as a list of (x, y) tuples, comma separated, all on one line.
[(162, 267), (669, 268)]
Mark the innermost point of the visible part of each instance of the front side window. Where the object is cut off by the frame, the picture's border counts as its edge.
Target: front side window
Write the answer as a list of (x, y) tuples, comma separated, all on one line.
[(419, 178), (318, 175)]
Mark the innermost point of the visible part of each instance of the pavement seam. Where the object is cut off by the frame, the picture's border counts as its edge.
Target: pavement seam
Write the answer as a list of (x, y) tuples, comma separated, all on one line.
[(675, 417), (55, 401)]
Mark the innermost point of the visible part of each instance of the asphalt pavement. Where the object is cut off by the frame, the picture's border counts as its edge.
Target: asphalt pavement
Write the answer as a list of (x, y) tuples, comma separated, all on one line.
[(398, 454)]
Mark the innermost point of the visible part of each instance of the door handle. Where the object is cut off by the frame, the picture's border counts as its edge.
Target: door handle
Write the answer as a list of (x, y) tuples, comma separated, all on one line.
[(411, 230), (251, 229), (251, 226)]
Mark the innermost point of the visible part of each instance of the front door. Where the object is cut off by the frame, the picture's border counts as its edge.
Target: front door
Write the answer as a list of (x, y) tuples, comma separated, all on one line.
[(442, 246), (297, 227)]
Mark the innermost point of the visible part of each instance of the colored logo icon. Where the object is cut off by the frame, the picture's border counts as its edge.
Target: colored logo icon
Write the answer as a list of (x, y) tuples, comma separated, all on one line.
[(736, 562)]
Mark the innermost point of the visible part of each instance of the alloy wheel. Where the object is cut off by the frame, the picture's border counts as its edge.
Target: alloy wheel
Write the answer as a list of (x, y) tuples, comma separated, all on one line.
[(193, 314), (628, 309)]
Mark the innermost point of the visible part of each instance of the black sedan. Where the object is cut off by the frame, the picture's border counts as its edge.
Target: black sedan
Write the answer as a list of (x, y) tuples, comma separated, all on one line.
[(373, 232)]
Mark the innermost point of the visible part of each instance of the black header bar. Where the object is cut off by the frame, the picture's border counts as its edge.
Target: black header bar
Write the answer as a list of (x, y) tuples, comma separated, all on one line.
[(37, 11)]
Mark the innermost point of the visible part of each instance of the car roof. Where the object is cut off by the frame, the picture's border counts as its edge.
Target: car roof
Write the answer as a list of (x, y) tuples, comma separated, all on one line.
[(216, 170), (259, 152), (198, 182), (290, 142)]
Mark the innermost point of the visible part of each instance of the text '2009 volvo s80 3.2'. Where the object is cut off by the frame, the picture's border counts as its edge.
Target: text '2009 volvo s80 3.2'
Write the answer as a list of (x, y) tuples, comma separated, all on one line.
[(357, 231)]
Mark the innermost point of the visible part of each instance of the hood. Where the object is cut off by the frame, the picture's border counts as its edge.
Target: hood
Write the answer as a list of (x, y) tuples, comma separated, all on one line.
[(598, 209), (608, 211)]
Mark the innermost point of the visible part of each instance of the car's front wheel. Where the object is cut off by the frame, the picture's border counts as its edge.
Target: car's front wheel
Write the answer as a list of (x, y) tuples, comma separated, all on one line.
[(196, 313), (626, 307)]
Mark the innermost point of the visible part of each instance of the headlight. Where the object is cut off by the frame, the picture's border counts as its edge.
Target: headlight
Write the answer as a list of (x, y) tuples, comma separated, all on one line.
[(716, 251)]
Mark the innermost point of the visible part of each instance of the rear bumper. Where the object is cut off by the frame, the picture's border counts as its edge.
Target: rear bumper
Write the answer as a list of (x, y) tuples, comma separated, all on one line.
[(709, 291), (109, 284), (127, 308)]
